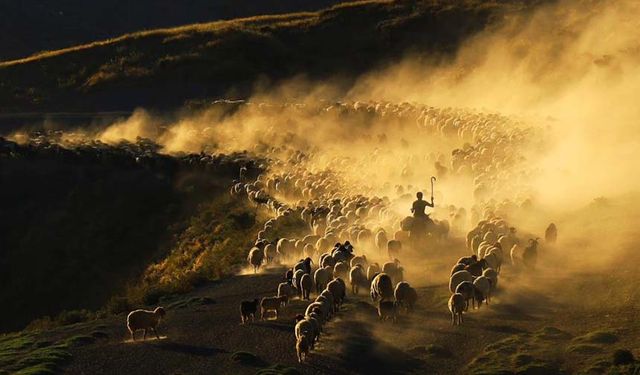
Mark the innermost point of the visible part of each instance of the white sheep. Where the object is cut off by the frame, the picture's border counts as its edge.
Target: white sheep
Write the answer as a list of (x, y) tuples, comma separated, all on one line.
[(458, 267), (144, 320), (458, 278), (255, 258), (341, 269), (457, 306), (381, 287), (304, 327), (338, 289), (405, 295), (306, 283), (394, 270)]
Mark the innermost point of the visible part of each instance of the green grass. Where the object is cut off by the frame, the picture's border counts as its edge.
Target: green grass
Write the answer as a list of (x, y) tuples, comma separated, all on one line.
[(21, 353)]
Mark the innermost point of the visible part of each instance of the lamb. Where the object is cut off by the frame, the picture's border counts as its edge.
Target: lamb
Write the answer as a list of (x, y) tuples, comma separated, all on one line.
[(381, 287), (270, 304), (372, 270), (286, 289), (302, 348), (306, 283), (255, 258), (248, 310), (387, 310), (482, 289), (458, 278), (144, 320), (467, 289), (457, 305), (321, 278), (405, 295), (357, 278)]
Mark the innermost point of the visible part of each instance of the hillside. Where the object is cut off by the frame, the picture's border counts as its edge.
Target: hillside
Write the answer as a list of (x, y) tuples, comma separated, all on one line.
[(228, 57), (30, 26)]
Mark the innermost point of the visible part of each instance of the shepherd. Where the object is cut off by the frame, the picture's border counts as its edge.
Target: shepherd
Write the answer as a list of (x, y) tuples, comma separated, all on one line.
[(420, 205)]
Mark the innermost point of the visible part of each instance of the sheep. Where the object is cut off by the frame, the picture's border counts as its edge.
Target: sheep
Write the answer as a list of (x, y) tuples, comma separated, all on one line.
[(467, 289), (304, 327), (302, 348), (144, 320), (372, 270), (286, 289), (387, 310), (405, 295), (322, 307), (255, 258), (248, 310), (341, 269), (328, 303), (530, 254), (394, 270), (357, 278), (306, 283), (361, 260), (393, 248), (297, 277), (476, 268), (551, 234), (326, 260), (458, 267), (304, 265), (492, 275), (338, 289), (270, 304), (381, 287), (457, 306), (482, 290), (321, 278), (381, 240), (515, 254), (270, 253), (457, 278), (329, 296), (468, 260)]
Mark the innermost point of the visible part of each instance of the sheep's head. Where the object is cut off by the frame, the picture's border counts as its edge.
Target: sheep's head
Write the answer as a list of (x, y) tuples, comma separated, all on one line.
[(159, 311)]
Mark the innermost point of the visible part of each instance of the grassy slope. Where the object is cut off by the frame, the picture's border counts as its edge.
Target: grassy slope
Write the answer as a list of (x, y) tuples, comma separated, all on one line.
[(211, 59), (77, 226), (29, 26)]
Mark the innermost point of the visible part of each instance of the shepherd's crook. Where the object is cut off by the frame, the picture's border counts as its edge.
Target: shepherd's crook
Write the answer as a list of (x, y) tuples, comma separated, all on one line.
[(433, 178)]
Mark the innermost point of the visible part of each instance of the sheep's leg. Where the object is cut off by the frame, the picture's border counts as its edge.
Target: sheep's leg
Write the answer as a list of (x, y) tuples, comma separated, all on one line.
[(144, 337), (453, 319), (133, 336), (156, 332)]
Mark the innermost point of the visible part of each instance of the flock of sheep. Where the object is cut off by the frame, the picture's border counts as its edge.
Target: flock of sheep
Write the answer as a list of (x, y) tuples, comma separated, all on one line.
[(347, 225)]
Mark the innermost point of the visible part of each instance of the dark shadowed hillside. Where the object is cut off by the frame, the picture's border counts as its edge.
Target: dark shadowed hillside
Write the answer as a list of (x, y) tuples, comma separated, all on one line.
[(227, 58), (78, 224), (30, 26)]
